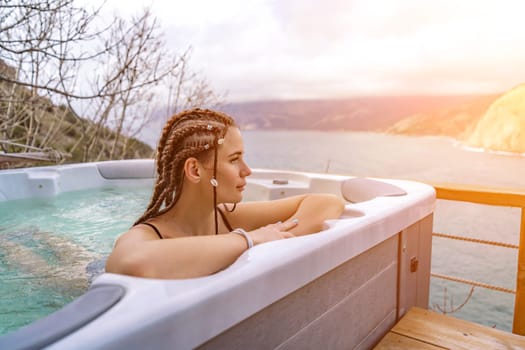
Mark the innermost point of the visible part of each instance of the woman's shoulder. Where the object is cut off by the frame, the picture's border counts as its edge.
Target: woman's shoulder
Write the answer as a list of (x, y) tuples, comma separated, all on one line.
[(136, 233)]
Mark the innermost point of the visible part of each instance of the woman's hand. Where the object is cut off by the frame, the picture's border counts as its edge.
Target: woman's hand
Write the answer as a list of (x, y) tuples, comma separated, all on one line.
[(273, 232), (312, 210)]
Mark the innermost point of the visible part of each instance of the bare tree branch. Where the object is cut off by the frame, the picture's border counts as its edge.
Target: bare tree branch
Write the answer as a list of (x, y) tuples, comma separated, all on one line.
[(46, 47)]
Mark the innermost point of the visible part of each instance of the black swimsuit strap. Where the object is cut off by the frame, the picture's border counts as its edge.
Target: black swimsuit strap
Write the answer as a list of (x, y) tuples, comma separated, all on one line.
[(226, 222), (223, 216), (154, 228)]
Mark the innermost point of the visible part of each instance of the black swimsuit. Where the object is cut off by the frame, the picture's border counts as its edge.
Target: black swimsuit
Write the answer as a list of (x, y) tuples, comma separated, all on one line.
[(225, 220), (223, 216), (154, 228)]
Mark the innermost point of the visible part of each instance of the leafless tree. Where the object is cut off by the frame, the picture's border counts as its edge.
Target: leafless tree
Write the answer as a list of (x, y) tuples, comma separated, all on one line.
[(43, 40), (188, 89), (39, 41), (139, 70), (45, 45)]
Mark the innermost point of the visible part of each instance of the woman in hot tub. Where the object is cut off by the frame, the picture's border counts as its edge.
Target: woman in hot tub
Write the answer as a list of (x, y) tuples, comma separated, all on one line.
[(195, 224)]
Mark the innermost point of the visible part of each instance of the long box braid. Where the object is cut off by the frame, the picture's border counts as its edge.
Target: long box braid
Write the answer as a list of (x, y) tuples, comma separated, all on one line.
[(191, 133)]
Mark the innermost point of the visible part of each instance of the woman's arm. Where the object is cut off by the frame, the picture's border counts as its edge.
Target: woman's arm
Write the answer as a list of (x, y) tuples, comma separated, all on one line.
[(311, 210), (139, 253), (314, 210)]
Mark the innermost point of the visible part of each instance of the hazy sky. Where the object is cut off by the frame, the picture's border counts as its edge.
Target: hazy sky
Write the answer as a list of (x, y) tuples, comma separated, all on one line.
[(262, 49)]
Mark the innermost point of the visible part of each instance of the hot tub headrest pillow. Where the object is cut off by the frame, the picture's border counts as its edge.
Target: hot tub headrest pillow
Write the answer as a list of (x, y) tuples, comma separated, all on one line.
[(360, 189)]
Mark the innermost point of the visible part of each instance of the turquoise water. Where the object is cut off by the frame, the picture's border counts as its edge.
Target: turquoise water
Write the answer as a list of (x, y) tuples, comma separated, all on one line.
[(46, 246)]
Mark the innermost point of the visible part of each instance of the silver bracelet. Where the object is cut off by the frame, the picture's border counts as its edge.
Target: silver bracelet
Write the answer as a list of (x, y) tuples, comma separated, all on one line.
[(246, 236)]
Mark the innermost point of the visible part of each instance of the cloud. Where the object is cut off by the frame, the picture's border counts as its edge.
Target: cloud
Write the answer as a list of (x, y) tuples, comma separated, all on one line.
[(335, 48)]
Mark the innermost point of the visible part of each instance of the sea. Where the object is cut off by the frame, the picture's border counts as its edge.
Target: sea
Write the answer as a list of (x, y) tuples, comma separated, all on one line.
[(26, 224), (434, 160)]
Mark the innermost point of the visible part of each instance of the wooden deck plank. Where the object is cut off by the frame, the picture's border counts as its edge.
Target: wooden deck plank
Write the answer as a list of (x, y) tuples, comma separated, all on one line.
[(393, 341), (452, 333)]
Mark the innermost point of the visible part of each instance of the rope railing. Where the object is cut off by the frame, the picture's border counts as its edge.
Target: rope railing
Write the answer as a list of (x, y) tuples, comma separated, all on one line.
[(497, 197), (476, 240), (473, 283)]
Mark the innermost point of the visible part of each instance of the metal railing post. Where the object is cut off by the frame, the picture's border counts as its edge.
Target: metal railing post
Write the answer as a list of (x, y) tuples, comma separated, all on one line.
[(518, 326)]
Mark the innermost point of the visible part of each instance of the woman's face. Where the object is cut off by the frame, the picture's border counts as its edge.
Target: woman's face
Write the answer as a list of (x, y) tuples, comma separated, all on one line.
[(231, 168)]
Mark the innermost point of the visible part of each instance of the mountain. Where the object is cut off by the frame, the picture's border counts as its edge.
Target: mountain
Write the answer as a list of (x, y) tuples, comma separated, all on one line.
[(502, 127), (372, 113), (457, 120)]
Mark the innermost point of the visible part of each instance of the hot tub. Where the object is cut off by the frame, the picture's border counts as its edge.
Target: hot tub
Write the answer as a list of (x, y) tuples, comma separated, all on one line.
[(342, 288)]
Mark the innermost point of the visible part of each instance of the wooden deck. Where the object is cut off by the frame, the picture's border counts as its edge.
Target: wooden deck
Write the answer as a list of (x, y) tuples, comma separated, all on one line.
[(428, 330)]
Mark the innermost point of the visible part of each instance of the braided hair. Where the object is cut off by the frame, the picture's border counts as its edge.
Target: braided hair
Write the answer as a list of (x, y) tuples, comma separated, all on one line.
[(191, 133)]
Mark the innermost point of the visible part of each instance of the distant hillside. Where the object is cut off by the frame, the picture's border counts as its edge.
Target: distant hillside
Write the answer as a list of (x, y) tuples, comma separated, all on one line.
[(502, 127), (35, 121), (493, 122), (456, 120), (373, 113)]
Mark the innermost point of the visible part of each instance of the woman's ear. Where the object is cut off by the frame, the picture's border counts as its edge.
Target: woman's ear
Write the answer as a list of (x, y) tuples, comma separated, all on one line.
[(192, 170)]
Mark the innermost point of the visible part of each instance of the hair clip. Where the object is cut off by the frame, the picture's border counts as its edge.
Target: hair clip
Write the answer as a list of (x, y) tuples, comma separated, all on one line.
[(220, 141), (209, 127), (214, 182), (206, 146)]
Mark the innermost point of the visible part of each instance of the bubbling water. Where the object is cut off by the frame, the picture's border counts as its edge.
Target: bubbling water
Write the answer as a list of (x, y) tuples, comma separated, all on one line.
[(51, 249)]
